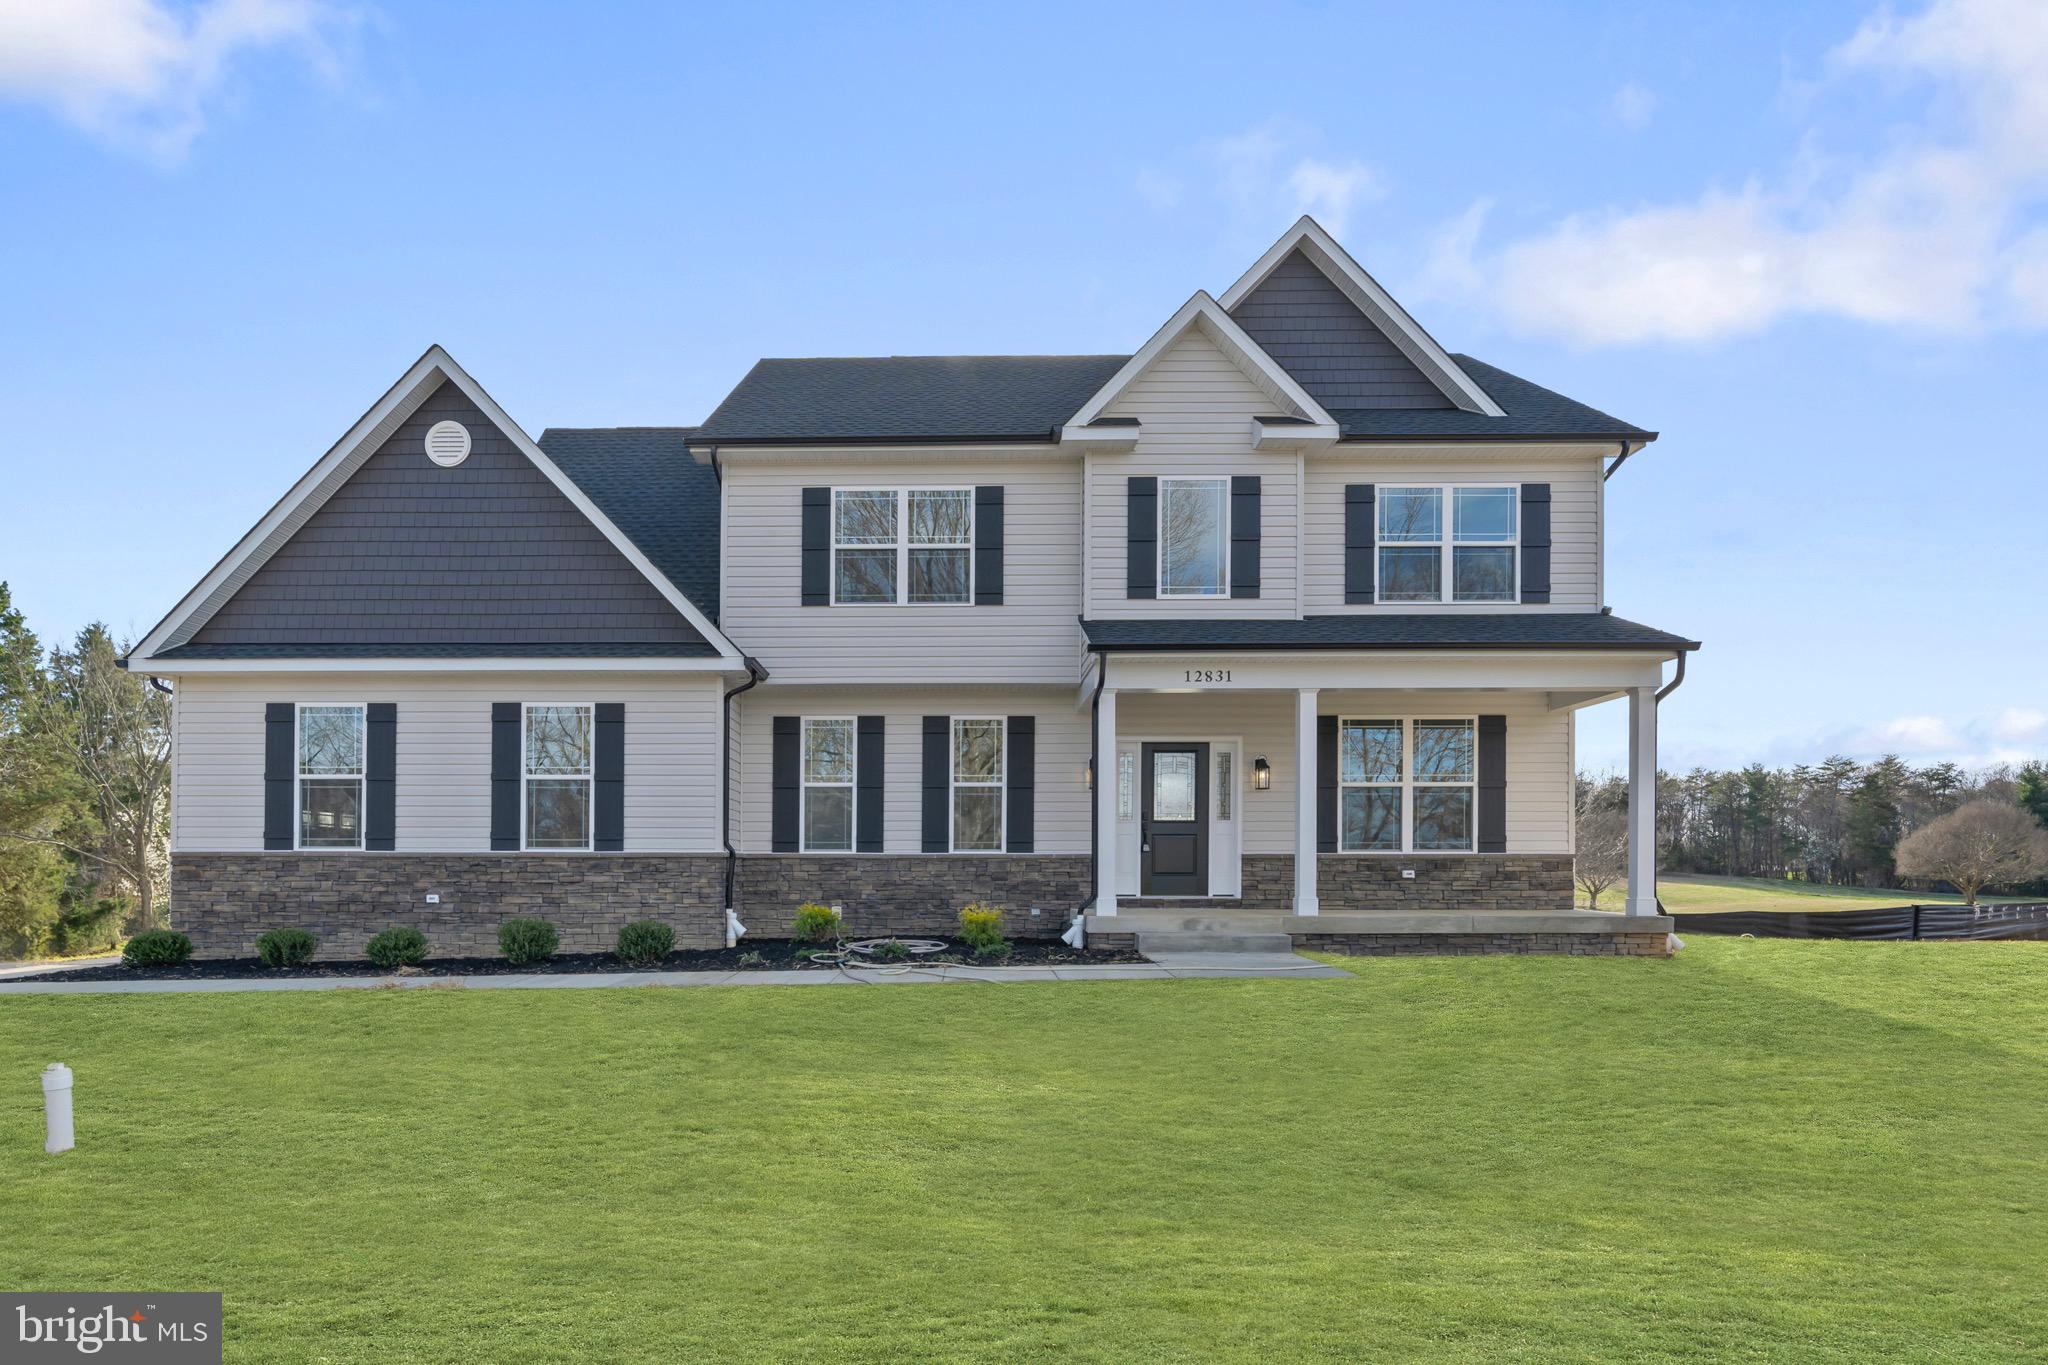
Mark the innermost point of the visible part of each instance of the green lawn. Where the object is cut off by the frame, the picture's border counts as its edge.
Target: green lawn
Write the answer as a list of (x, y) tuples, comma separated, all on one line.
[(1758, 1150), (1694, 893)]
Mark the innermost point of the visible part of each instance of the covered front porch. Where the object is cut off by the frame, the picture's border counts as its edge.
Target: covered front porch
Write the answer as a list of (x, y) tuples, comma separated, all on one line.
[(1376, 795)]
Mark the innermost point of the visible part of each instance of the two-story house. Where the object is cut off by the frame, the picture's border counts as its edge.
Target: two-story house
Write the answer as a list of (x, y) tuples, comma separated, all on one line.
[(1284, 617)]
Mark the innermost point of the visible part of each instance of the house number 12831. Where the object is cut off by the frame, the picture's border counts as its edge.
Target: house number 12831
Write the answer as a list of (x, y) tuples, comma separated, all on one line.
[(1208, 675)]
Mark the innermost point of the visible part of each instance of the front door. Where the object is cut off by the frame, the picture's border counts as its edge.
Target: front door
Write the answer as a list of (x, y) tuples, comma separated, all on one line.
[(1173, 831)]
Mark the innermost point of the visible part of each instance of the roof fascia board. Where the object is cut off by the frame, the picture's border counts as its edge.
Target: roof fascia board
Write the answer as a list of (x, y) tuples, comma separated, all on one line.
[(1376, 303), (342, 459), (170, 668), (1037, 448), (1250, 357)]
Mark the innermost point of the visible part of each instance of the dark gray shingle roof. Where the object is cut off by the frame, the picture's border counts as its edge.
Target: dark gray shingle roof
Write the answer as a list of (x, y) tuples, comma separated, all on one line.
[(648, 483), (1390, 630), (1029, 397), (917, 397), (579, 650)]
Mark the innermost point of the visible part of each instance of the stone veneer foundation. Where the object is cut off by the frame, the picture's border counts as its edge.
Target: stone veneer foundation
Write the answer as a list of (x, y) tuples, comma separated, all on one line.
[(1656, 944), (224, 900), (913, 893)]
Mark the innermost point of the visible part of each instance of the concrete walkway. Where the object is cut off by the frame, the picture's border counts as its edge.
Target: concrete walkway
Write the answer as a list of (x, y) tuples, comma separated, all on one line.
[(1167, 967)]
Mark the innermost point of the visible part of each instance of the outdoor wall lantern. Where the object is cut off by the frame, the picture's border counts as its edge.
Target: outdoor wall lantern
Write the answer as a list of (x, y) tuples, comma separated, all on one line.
[(1262, 773)]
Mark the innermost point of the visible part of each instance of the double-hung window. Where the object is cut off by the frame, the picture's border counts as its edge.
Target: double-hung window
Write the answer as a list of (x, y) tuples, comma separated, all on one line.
[(1194, 537), (331, 747), (1468, 557), (1407, 785), (559, 772), (828, 794), (978, 785), (902, 545)]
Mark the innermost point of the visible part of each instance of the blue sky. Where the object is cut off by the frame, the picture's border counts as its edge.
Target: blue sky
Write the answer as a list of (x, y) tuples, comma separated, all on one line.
[(1806, 243)]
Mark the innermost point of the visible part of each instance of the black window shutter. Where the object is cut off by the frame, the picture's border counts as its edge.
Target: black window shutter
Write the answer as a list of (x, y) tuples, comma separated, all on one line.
[(280, 761), (786, 795), (1493, 784), (1244, 535), (817, 533), (869, 756), (938, 782), (1359, 529), (380, 777), (1326, 784), (1535, 542), (608, 821), (988, 545), (1141, 532), (505, 763), (1021, 775)]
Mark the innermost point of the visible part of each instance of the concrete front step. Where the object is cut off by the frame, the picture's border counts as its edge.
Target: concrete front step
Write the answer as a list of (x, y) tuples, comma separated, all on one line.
[(1155, 941)]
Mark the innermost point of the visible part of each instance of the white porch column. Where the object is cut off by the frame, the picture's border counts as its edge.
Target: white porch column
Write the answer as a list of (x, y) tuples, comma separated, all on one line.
[(1305, 899), (1105, 802), (1642, 801)]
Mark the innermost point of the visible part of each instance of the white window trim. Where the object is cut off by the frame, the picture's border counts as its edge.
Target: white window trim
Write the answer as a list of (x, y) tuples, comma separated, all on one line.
[(1408, 783), (903, 545), (362, 780), (526, 779), (1000, 785), (1159, 539), (1447, 544), (804, 785)]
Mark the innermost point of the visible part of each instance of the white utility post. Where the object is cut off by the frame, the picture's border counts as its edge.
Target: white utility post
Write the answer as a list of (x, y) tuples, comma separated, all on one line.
[(1105, 802), (1642, 801), (1306, 901), (57, 1108)]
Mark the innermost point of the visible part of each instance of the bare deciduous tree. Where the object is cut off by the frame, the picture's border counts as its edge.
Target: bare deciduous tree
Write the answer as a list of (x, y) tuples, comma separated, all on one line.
[(1981, 844), (1601, 858), (124, 756)]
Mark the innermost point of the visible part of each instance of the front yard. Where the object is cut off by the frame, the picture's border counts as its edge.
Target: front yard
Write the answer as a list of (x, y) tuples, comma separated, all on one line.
[(1764, 1150)]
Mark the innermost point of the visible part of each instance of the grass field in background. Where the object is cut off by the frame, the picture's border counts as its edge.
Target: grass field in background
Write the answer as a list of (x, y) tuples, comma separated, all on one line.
[(1764, 1150), (1697, 893)]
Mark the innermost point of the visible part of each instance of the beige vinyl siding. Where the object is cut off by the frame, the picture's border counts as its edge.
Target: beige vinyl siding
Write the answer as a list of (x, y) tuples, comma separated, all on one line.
[(1030, 638), (1575, 509), (1062, 810), (444, 753), (1195, 409), (1539, 791)]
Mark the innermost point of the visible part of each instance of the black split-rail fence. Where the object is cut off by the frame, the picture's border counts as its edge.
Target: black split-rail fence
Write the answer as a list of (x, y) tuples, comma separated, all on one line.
[(2023, 921)]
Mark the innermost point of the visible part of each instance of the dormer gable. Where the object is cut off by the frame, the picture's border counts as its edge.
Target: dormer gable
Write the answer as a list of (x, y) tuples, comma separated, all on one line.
[(1338, 332)]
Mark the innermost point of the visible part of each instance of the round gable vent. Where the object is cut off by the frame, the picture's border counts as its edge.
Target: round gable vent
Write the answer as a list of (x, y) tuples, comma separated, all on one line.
[(448, 444)]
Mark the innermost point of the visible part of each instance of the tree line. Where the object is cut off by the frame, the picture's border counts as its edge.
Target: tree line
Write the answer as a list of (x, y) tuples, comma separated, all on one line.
[(85, 792), (1838, 822)]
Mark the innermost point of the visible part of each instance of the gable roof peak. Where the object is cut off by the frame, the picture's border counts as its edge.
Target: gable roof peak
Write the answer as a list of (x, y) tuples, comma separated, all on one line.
[(1203, 313), (1320, 249)]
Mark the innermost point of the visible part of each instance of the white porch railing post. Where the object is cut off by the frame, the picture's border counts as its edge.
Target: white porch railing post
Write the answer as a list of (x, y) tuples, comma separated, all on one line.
[(1642, 801), (1105, 802), (1306, 901)]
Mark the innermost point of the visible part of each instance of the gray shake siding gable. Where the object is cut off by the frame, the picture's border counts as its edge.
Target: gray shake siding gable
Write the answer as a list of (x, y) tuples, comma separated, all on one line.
[(486, 553), (1317, 335)]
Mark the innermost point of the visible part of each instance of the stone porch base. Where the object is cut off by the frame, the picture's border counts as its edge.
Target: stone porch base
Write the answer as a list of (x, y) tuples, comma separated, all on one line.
[(1575, 933)]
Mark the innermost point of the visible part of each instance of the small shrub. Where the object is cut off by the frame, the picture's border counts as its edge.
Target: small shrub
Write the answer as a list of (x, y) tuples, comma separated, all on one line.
[(981, 929), (645, 941), (157, 948), (286, 947), (524, 940), (751, 959), (814, 923), (891, 950), (401, 947)]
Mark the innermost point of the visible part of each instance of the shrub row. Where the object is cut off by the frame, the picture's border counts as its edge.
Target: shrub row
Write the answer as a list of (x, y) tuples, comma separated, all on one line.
[(522, 941)]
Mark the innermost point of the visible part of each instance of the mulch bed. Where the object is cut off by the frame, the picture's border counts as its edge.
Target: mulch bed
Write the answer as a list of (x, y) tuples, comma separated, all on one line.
[(751, 955)]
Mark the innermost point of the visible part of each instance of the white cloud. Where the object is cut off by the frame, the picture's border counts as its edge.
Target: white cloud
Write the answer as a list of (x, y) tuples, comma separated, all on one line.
[(1632, 105), (139, 73), (2017, 725), (1265, 175), (1931, 230), (1914, 735)]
